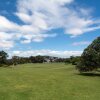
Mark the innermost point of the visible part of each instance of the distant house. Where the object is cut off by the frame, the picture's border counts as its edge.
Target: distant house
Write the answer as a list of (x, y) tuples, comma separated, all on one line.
[(47, 60), (0, 56)]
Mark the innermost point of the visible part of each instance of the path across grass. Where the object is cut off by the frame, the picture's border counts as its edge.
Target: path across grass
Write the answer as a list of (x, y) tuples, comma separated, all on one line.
[(47, 82)]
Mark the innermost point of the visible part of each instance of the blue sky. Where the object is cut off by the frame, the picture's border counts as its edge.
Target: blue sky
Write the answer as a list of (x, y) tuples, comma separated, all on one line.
[(54, 27)]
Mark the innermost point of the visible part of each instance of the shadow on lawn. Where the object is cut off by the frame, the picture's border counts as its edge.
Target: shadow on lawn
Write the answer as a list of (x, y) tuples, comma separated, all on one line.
[(90, 74)]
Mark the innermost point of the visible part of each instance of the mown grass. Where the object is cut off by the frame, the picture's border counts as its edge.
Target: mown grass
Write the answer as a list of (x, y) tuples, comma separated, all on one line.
[(47, 82)]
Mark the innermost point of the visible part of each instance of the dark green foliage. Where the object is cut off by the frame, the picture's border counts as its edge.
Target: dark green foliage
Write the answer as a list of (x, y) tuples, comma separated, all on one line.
[(67, 61), (37, 59), (60, 60), (73, 60), (3, 57), (20, 60), (90, 59)]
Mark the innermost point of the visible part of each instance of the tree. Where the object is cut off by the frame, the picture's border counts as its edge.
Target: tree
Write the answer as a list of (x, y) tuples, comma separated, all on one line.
[(90, 59), (15, 60), (3, 57)]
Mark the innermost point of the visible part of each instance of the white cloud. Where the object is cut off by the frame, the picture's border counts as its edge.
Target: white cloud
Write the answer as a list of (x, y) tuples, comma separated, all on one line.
[(24, 17), (41, 16), (5, 36), (7, 25), (6, 40), (10, 31), (46, 52), (81, 43), (6, 44), (53, 14)]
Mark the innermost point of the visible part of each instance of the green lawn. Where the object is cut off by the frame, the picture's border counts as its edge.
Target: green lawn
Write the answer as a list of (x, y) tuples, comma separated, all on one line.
[(47, 82)]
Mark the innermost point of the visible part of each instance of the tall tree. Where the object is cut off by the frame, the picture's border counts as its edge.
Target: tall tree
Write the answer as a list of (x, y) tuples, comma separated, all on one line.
[(90, 59)]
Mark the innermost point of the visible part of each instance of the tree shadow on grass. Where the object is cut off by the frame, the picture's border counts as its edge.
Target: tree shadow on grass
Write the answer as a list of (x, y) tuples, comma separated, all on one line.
[(90, 74)]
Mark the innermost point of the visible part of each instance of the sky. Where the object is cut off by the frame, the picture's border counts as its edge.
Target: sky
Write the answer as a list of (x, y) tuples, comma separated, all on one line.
[(59, 28)]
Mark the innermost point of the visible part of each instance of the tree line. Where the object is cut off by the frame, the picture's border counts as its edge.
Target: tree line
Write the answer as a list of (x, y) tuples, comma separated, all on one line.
[(15, 60)]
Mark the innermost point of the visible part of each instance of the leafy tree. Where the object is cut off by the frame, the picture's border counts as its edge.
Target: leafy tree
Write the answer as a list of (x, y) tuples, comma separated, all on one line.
[(90, 59), (3, 57)]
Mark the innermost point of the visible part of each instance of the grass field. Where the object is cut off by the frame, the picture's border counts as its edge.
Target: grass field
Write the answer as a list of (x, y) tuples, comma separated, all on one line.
[(47, 82)]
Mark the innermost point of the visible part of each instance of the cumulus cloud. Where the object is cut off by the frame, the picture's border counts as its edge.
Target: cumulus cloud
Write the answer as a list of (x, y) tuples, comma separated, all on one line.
[(7, 26), (53, 14), (10, 31), (63, 54), (41, 16), (6, 44), (6, 41)]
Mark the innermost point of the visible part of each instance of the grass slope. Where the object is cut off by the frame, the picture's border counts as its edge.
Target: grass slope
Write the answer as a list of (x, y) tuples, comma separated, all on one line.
[(47, 82)]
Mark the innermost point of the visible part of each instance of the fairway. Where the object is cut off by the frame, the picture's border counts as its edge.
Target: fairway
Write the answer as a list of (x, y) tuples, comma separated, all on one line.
[(54, 81)]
